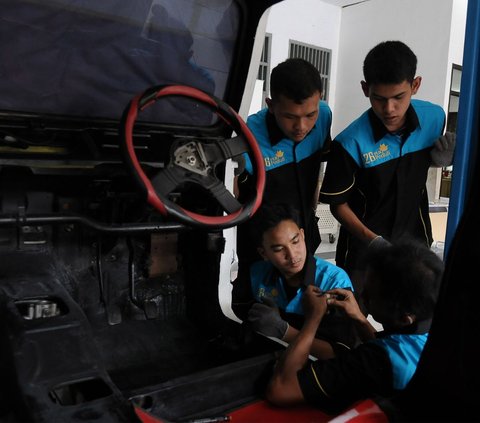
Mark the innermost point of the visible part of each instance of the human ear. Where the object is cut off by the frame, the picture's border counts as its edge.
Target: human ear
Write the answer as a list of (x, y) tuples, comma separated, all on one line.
[(416, 84), (269, 103), (261, 251), (365, 89), (408, 319)]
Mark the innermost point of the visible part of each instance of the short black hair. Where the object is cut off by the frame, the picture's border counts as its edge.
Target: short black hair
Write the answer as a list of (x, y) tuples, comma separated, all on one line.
[(410, 275), (269, 216), (390, 62), (295, 79)]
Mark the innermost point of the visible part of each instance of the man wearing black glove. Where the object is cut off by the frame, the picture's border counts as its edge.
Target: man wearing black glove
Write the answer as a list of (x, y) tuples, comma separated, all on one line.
[(375, 180), (443, 149), (265, 318)]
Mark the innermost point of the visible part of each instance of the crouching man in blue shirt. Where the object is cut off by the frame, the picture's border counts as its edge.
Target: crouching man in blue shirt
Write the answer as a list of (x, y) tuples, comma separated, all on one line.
[(402, 286), (270, 299)]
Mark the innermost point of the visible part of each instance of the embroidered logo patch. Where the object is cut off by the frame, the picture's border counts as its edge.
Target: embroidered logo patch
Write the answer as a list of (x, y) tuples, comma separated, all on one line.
[(262, 292), (381, 153), (278, 158)]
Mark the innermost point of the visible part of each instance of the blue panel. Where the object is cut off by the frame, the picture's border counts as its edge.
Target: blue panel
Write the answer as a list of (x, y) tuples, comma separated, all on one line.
[(467, 124)]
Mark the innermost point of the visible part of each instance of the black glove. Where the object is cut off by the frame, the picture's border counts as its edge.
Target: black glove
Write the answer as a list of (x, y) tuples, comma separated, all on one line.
[(265, 318), (442, 151)]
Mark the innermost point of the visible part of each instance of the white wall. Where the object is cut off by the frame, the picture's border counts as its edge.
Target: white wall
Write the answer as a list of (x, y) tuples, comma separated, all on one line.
[(308, 21), (424, 25), (457, 39)]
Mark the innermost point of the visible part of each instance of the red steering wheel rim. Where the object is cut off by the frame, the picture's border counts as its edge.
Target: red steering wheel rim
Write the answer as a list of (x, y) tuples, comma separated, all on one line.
[(165, 206)]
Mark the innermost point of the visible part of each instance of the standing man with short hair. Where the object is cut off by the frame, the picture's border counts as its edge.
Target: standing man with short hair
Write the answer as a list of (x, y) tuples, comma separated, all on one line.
[(293, 133), (375, 181)]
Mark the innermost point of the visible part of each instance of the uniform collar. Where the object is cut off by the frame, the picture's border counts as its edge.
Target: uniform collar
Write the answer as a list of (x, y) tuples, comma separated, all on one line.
[(416, 328), (310, 270), (275, 134), (379, 129)]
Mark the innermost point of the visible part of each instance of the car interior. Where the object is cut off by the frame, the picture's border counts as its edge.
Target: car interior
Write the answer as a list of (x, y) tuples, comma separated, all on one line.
[(118, 122)]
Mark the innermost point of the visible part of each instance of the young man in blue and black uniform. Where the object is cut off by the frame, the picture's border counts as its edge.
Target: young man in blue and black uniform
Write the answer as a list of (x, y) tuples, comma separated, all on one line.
[(375, 181), (293, 133), (270, 297), (403, 282)]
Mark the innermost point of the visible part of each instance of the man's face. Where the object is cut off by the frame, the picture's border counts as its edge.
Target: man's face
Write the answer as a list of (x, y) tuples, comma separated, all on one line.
[(284, 246), (295, 120), (391, 101)]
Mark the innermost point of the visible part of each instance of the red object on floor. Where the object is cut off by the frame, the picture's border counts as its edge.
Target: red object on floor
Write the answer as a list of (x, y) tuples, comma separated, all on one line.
[(261, 412), (366, 411), (146, 417)]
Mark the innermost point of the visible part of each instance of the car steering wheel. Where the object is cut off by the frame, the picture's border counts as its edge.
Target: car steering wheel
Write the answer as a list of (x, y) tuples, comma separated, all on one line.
[(192, 160)]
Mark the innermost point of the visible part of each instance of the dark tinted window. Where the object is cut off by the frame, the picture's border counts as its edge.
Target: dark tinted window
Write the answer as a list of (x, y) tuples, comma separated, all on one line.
[(88, 58)]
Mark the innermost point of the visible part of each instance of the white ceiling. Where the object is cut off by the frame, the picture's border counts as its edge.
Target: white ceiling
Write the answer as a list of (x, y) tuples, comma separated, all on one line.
[(343, 3)]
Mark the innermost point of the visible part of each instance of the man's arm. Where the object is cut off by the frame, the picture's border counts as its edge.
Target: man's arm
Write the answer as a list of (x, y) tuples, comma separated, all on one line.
[(338, 183), (284, 388), (320, 349), (349, 220), (265, 319)]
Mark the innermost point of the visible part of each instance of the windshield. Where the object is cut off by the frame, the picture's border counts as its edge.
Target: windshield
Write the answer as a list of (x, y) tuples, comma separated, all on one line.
[(88, 58)]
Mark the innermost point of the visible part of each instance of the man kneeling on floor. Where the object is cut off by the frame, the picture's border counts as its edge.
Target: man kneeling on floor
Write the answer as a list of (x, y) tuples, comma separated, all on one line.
[(403, 282)]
